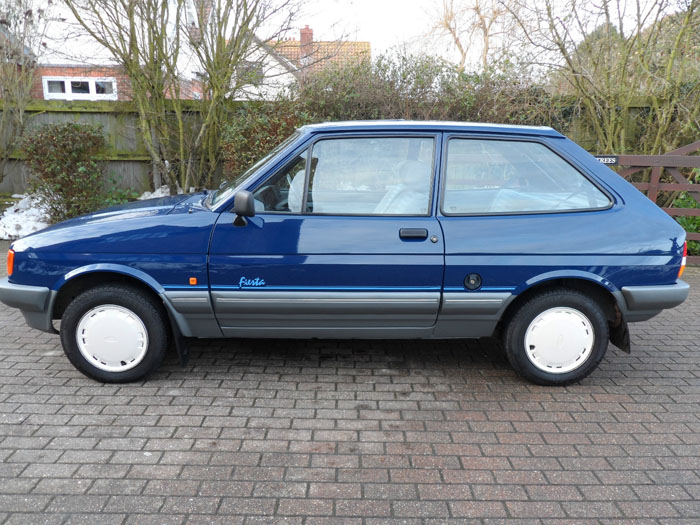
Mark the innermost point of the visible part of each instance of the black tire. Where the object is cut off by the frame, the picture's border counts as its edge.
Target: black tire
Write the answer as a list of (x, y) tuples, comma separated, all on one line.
[(144, 307), (517, 326)]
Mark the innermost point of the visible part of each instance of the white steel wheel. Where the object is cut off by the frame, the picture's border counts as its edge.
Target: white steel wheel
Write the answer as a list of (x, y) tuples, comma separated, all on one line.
[(112, 338), (559, 340)]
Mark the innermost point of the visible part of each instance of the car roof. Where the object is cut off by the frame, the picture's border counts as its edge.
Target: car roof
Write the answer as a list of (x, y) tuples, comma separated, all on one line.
[(429, 125)]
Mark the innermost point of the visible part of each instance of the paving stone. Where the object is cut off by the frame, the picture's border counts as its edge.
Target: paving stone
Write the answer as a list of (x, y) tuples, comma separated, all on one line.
[(62, 486), (34, 519), (353, 433), (140, 504), (90, 519), (71, 504), (477, 509)]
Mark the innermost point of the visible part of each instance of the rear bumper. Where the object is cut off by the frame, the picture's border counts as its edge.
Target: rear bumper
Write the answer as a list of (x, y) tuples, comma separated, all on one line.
[(35, 303), (644, 302)]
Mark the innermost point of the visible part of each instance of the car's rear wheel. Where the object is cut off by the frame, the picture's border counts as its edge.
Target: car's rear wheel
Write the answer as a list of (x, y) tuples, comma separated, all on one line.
[(556, 337), (114, 333)]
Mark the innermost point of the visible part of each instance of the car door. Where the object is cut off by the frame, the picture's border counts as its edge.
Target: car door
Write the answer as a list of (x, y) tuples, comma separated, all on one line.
[(344, 243), (512, 209)]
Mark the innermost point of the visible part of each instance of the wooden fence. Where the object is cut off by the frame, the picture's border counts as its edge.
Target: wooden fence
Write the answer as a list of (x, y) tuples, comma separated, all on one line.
[(125, 156), (664, 168)]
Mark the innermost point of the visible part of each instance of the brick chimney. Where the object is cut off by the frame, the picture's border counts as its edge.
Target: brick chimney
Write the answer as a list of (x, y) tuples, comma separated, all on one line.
[(306, 39), (306, 36)]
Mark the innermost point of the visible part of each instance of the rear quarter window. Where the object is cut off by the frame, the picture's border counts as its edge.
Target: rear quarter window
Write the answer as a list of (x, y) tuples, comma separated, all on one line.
[(485, 176)]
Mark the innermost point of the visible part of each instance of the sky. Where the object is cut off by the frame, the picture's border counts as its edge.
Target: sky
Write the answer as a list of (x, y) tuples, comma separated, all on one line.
[(384, 23)]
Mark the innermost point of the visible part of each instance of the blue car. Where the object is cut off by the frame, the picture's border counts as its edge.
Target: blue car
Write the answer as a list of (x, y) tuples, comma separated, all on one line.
[(386, 229)]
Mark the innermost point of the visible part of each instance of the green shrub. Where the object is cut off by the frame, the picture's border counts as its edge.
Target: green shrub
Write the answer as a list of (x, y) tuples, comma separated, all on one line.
[(66, 178), (419, 87), (255, 129)]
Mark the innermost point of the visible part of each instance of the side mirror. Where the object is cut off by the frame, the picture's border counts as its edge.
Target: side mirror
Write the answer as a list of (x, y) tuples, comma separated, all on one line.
[(243, 206)]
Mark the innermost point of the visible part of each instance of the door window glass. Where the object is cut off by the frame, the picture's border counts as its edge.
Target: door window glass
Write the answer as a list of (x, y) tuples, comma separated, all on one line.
[(499, 176), (284, 191), (371, 176)]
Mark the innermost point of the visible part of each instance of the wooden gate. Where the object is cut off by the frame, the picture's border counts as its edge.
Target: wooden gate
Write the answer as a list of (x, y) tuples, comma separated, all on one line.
[(669, 164)]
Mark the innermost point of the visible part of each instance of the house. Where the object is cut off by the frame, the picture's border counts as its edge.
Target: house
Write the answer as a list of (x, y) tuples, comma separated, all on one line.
[(80, 82), (79, 70), (311, 56), (71, 66), (90, 82), (280, 63)]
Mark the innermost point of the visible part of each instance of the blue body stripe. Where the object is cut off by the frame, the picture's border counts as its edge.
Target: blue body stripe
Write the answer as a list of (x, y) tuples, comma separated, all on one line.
[(332, 288), (341, 288)]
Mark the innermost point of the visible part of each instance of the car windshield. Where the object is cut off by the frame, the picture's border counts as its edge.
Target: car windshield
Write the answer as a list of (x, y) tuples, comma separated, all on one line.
[(227, 188)]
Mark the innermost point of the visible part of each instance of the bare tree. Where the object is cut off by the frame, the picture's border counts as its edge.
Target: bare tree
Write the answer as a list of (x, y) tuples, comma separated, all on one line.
[(158, 43), (615, 57), (143, 37), (229, 39), (474, 27), (22, 28)]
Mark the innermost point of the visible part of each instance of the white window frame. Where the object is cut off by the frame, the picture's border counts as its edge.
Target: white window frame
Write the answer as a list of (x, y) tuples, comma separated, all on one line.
[(93, 95)]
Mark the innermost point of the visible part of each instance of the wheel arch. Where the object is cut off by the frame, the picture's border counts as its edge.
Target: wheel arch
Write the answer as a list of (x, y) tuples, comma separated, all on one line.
[(81, 279), (599, 289)]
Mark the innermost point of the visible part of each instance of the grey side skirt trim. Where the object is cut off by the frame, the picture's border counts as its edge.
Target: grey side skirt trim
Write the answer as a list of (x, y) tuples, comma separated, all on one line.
[(193, 313), (472, 314), (387, 332), (325, 310)]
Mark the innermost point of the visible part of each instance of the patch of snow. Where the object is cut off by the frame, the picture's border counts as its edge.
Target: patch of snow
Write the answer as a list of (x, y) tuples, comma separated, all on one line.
[(22, 218), (163, 191)]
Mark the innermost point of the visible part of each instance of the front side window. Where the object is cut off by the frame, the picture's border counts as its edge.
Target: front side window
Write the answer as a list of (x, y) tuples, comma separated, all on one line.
[(499, 176), (371, 176), (284, 191), (227, 188)]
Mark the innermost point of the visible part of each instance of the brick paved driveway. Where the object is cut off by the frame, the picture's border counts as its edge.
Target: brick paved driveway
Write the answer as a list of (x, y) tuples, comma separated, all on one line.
[(352, 432)]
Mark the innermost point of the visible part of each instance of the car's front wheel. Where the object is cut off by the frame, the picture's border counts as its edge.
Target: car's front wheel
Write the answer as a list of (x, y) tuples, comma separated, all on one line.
[(556, 337), (114, 333)]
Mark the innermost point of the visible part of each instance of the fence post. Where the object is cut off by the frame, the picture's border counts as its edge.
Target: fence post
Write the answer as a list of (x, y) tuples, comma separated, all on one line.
[(654, 183)]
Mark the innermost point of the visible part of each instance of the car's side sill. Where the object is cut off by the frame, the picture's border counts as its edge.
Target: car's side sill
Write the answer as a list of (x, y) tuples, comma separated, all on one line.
[(286, 332), (255, 311), (470, 314)]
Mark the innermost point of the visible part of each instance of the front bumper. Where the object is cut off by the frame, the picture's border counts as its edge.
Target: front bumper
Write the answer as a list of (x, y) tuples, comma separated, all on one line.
[(644, 302), (35, 303)]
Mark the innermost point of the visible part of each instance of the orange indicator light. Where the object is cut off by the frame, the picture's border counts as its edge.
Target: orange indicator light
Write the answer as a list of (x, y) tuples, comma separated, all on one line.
[(683, 261), (10, 261), (193, 281)]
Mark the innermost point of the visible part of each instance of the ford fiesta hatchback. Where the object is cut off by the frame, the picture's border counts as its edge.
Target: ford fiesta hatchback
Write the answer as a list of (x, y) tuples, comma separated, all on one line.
[(366, 230)]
